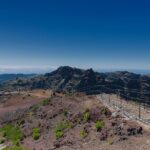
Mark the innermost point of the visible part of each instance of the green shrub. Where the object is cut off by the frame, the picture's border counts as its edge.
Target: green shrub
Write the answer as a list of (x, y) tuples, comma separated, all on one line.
[(59, 134), (21, 122), (46, 101), (35, 107), (36, 133), (83, 133), (2, 141), (78, 120), (12, 133), (17, 143), (61, 127), (65, 112), (87, 116), (99, 125)]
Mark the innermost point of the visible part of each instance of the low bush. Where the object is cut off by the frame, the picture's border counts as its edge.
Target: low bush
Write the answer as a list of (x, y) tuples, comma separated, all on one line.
[(36, 133), (12, 133), (87, 116), (99, 125), (63, 125), (2, 141), (35, 107), (46, 101), (21, 122), (59, 130), (59, 134), (83, 133), (65, 112)]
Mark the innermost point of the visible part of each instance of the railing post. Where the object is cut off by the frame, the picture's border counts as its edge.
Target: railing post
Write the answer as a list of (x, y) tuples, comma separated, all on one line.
[(139, 110)]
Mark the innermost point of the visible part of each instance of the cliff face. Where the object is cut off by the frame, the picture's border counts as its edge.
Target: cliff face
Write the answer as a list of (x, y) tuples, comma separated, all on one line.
[(74, 79)]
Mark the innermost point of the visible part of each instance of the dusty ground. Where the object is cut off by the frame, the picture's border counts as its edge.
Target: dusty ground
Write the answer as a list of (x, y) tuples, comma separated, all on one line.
[(22, 100), (47, 117)]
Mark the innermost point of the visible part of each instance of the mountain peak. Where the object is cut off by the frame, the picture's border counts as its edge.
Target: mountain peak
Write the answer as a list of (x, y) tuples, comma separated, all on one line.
[(64, 68)]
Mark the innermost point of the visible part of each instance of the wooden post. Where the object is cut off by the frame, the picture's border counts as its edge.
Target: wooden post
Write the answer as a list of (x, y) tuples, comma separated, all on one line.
[(139, 110)]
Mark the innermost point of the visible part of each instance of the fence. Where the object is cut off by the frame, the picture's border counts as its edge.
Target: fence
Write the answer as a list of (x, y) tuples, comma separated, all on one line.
[(118, 99), (133, 110)]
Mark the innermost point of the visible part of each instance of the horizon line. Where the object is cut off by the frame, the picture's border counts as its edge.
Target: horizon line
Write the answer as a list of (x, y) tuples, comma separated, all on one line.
[(46, 69), (73, 66)]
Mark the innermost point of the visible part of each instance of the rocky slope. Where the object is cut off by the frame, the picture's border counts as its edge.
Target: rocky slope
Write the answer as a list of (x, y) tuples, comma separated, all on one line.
[(65, 78), (69, 122)]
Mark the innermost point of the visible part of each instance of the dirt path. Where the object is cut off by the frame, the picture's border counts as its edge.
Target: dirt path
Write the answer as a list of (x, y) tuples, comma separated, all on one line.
[(2, 146)]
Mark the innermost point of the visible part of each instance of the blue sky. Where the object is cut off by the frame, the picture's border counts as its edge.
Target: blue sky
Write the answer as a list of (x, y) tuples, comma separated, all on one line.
[(44, 34)]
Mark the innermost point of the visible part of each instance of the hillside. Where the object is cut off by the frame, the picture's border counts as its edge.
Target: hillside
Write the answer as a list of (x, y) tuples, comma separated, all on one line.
[(65, 122), (74, 79)]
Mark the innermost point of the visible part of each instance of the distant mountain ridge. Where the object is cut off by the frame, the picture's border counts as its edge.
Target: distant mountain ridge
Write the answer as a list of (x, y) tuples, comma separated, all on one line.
[(7, 77), (73, 79), (136, 71)]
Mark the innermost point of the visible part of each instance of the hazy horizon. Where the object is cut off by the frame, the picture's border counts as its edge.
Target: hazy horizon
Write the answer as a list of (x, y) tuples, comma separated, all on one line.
[(40, 70)]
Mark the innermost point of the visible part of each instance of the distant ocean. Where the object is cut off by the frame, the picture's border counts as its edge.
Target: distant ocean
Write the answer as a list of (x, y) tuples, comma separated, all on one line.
[(137, 71)]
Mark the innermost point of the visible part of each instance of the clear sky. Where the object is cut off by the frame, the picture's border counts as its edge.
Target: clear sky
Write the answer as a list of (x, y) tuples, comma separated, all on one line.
[(43, 34)]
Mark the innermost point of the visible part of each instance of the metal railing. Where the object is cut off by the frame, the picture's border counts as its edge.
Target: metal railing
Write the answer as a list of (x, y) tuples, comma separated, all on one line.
[(133, 110)]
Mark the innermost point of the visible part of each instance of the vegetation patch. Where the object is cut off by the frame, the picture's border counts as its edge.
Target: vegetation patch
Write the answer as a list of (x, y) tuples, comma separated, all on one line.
[(12, 133), (65, 112), (63, 125), (36, 133), (46, 102), (35, 107), (21, 122), (2, 140), (83, 133), (87, 116), (59, 130), (99, 125), (59, 134)]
